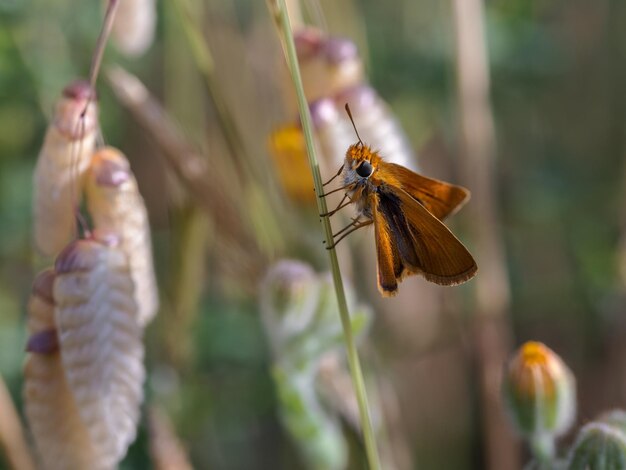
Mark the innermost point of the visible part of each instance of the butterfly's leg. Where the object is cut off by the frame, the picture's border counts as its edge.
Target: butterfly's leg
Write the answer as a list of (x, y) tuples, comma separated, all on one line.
[(355, 225), (330, 180), (347, 186), (340, 206)]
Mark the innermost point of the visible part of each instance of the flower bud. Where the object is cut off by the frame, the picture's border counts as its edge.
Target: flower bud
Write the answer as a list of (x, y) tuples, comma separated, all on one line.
[(299, 312), (599, 446), (614, 418), (539, 391), (288, 150)]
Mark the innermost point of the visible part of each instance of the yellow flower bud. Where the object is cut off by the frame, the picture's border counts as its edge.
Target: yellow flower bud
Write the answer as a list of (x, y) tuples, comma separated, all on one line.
[(539, 391)]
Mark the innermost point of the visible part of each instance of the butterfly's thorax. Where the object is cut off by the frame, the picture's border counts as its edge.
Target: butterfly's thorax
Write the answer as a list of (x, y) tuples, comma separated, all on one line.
[(362, 188)]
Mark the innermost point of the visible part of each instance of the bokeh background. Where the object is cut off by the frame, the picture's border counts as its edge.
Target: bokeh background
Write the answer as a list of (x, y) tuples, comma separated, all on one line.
[(551, 209)]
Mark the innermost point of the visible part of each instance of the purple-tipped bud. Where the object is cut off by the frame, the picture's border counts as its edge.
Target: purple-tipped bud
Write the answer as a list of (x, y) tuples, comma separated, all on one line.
[(83, 255), (43, 285)]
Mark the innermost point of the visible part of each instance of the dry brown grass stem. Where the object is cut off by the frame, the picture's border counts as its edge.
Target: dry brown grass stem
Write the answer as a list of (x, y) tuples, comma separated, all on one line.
[(166, 450), (105, 32), (204, 182), (478, 148), (12, 440)]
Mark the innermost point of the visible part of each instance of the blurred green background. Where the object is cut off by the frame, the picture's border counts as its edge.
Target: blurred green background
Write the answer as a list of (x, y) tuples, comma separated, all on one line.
[(558, 92)]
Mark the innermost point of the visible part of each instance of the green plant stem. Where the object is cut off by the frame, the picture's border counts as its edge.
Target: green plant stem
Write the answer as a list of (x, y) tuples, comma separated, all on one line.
[(542, 448), (282, 18)]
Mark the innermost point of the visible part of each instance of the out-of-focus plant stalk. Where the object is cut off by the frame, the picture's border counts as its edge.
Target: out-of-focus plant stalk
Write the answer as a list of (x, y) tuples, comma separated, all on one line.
[(204, 182), (166, 449), (12, 441), (478, 150), (279, 10), (190, 229), (204, 61)]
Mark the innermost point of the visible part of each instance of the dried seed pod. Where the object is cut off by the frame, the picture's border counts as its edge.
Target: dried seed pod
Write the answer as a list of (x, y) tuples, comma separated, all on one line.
[(100, 342), (115, 205), (60, 436), (134, 26), (62, 161)]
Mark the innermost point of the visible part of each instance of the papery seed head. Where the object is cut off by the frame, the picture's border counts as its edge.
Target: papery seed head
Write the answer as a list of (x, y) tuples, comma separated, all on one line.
[(323, 112), (82, 255), (309, 42), (76, 113), (43, 342), (338, 50), (598, 446), (115, 205), (101, 345), (110, 167), (328, 65), (59, 435), (134, 26), (63, 158), (539, 391), (359, 97), (43, 285), (377, 125), (106, 237), (79, 90)]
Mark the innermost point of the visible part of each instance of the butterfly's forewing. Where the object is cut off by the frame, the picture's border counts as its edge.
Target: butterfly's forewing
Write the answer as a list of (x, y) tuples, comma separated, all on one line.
[(425, 246), (439, 198), (388, 259)]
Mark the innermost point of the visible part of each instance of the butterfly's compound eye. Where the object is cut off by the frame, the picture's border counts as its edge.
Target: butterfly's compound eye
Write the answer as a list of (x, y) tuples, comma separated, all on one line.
[(364, 169)]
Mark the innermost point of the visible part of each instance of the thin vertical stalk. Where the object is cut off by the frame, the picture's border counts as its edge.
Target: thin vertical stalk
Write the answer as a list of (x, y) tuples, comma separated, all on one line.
[(279, 8), (478, 148), (105, 32), (12, 438)]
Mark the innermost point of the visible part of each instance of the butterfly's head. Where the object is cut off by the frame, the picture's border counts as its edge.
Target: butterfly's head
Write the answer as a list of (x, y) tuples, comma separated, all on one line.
[(361, 160)]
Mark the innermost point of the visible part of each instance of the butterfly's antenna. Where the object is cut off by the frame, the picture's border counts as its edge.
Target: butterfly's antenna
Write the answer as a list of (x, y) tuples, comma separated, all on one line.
[(353, 124)]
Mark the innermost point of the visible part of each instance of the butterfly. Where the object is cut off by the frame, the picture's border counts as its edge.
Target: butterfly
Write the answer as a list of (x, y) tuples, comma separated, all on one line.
[(406, 210)]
